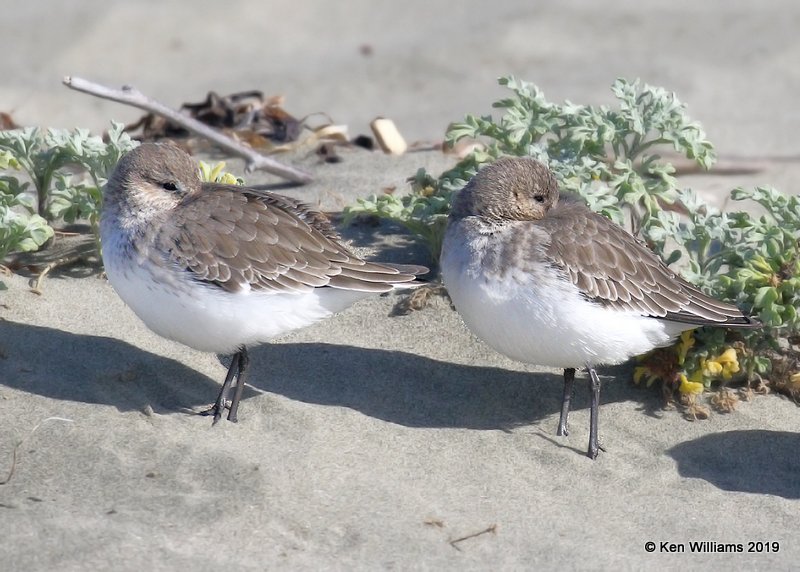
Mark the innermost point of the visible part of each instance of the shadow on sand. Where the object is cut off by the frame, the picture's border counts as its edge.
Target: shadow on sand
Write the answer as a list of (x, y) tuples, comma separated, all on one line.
[(394, 386), (751, 461)]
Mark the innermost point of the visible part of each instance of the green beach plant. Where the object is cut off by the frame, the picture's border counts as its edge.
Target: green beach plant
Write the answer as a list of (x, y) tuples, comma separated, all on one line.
[(21, 229), (66, 170), (610, 157)]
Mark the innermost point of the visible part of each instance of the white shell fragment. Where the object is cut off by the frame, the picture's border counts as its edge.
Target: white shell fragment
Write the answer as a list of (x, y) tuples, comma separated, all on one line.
[(388, 137)]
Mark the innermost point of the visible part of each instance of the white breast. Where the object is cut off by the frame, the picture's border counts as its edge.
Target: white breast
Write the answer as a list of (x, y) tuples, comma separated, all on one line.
[(209, 318), (540, 319)]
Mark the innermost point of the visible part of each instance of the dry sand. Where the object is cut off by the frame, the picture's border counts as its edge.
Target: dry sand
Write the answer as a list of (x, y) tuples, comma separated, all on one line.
[(370, 442)]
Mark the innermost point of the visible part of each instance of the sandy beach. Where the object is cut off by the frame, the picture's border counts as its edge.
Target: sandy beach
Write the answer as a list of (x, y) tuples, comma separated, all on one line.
[(371, 441)]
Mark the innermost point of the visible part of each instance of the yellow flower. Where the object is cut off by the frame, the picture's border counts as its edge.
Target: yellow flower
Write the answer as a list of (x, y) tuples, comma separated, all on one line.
[(730, 363), (685, 343), (228, 179), (216, 174), (691, 386), (728, 356), (711, 368), (726, 364)]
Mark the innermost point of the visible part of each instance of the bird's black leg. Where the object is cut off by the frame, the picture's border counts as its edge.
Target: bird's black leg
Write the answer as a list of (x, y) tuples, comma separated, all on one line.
[(244, 360), (569, 379), (222, 397), (594, 446)]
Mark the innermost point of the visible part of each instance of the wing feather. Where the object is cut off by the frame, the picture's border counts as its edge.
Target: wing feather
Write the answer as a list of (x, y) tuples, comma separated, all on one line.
[(236, 238), (609, 265)]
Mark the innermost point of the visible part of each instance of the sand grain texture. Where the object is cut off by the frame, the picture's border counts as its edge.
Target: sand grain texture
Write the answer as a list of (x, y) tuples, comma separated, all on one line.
[(370, 442)]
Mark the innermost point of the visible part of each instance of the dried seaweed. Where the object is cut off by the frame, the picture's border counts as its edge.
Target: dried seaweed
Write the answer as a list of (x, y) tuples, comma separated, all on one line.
[(248, 114)]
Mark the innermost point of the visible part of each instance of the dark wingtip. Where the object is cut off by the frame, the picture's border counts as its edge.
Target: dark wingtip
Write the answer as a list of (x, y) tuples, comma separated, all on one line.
[(745, 322), (413, 269), (738, 322)]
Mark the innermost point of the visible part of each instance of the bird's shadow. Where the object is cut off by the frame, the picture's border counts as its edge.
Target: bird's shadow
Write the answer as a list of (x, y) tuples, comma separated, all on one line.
[(97, 369), (394, 386), (415, 391), (752, 461)]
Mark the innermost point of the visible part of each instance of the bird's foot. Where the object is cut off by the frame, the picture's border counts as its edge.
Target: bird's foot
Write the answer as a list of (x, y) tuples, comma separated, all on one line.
[(594, 450), (233, 416), (216, 409)]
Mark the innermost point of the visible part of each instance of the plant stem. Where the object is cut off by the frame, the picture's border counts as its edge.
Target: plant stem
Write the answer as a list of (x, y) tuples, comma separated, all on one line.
[(634, 148), (645, 146)]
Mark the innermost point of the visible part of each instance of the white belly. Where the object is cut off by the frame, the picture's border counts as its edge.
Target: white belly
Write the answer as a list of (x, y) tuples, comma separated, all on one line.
[(208, 318), (542, 319)]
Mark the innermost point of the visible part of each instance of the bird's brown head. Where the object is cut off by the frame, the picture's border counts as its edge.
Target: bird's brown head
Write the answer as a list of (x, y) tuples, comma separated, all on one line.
[(511, 188), (153, 176)]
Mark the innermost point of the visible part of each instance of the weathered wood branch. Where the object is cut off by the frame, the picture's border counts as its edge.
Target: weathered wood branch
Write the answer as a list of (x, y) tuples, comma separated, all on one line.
[(131, 96)]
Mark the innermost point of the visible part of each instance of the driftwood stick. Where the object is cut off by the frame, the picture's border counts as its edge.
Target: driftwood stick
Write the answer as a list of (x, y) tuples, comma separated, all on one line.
[(131, 96)]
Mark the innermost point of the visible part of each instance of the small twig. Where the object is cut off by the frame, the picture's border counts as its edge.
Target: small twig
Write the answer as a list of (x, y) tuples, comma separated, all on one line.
[(431, 521), (35, 284), (13, 467), (72, 249), (131, 96), (492, 529)]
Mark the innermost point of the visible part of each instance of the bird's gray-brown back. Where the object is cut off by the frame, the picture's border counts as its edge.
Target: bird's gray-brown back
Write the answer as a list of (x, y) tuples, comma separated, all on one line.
[(229, 236), (516, 201)]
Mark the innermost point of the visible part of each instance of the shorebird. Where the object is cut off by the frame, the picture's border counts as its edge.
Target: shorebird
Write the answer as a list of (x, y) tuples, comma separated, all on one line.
[(544, 280), (222, 267)]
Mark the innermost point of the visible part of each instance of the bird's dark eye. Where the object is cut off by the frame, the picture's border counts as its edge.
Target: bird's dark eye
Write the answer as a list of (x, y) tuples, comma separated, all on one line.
[(169, 186), (538, 198)]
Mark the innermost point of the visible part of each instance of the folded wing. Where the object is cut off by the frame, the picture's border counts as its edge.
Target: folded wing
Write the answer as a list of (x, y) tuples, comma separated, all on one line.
[(614, 268), (239, 238)]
